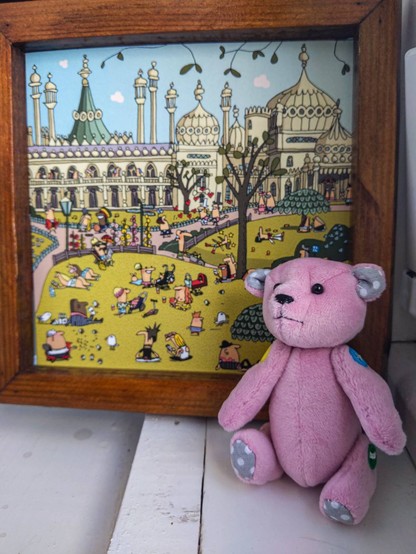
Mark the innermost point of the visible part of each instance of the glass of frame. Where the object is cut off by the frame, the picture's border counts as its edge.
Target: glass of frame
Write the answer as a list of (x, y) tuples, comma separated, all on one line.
[(136, 248)]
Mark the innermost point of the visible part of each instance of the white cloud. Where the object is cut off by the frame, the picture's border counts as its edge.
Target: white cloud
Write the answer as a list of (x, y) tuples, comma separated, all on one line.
[(117, 97), (261, 81), (64, 64)]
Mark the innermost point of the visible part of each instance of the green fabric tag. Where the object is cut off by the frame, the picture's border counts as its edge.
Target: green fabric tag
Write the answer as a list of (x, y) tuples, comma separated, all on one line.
[(372, 456)]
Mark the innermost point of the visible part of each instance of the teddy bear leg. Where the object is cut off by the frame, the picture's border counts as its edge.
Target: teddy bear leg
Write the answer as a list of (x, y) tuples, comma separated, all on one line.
[(346, 496), (253, 457)]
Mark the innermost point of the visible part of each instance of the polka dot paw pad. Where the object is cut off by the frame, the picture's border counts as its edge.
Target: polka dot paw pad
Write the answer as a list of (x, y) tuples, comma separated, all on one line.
[(243, 460), (338, 512)]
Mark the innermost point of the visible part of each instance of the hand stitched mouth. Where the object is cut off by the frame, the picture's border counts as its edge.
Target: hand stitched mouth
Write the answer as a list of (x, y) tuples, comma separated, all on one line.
[(281, 316)]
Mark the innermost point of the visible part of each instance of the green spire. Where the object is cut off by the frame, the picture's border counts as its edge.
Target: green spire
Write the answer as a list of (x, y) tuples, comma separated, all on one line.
[(88, 123)]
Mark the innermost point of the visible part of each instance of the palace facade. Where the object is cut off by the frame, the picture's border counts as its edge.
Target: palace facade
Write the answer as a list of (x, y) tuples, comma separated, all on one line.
[(96, 168)]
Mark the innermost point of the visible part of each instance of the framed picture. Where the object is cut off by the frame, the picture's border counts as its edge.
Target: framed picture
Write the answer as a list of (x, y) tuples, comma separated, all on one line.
[(151, 158)]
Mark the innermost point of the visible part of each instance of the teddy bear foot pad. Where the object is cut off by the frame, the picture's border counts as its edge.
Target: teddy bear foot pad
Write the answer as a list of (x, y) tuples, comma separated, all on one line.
[(337, 512), (243, 460)]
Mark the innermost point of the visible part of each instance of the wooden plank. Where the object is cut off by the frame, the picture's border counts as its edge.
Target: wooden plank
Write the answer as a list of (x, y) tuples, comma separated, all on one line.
[(15, 267), (375, 190), (81, 20), (188, 394), (283, 517), (63, 474), (160, 513)]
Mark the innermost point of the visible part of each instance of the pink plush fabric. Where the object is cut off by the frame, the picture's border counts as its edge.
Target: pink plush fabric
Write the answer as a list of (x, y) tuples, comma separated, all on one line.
[(321, 392)]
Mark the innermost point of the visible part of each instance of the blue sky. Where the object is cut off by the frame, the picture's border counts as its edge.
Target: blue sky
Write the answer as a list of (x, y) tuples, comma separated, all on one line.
[(113, 91)]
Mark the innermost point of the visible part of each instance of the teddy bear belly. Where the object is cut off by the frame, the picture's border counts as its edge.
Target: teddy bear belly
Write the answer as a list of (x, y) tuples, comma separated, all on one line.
[(312, 421)]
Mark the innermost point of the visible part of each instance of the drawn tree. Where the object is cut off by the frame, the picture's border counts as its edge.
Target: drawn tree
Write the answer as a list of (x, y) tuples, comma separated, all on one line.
[(249, 325), (186, 180), (303, 202), (246, 171)]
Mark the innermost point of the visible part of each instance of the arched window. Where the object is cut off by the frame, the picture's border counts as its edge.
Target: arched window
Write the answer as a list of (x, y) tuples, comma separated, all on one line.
[(168, 196), (131, 170), (249, 124), (273, 189), (73, 197), (91, 172), (54, 173), (113, 171), (151, 171), (41, 173), (289, 162), (73, 172)]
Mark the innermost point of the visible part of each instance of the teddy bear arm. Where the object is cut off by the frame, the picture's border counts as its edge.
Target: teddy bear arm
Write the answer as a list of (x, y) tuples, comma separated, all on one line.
[(253, 390), (371, 399)]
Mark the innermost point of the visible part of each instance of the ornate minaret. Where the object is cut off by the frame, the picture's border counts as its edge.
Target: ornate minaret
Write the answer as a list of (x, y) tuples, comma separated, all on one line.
[(153, 75), (226, 106), (34, 83), (50, 92), (140, 84), (171, 97)]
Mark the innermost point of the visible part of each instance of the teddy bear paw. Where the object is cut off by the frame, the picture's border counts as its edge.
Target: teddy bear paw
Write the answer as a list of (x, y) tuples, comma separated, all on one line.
[(243, 460), (338, 512)]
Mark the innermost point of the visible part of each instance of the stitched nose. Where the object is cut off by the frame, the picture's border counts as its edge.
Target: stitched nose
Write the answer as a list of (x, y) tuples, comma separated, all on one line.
[(284, 298)]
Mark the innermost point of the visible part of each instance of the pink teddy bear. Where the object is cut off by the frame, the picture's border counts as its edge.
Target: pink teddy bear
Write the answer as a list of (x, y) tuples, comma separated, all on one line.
[(327, 408)]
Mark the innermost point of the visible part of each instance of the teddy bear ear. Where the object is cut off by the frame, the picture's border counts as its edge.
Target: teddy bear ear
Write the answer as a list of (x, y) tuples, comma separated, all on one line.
[(371, 281), (254, 282)]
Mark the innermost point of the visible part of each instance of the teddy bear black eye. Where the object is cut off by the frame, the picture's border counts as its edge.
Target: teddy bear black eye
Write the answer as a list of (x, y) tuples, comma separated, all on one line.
[(317, 288)]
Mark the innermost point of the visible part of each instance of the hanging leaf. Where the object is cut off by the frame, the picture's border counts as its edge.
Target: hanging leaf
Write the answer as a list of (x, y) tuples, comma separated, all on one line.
[(274, 59), (102, 65), (120, 56), (235, 73), (227, 71), (222, 50), (275, 164), (198, 68), (346, 69), (265, 136), (186, 68), (254, 55)]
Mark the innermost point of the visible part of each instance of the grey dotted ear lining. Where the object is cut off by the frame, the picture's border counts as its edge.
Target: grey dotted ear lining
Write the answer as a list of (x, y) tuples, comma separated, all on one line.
[(256, 278), (371, 282)]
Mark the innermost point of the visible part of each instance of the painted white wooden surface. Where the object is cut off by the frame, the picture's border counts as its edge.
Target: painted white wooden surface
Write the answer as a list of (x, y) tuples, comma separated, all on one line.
[(62, 477), (160, 513), (282, 518)]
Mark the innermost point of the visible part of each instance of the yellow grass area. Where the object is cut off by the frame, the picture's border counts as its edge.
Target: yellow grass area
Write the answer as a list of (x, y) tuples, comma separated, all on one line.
[(89, 343)]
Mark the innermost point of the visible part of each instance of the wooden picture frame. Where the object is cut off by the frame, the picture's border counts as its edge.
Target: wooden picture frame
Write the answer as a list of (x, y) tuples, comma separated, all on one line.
[(51, 24)]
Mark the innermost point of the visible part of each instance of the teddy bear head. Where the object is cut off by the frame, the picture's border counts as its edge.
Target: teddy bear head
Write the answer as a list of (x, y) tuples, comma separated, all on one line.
[(315, 303)]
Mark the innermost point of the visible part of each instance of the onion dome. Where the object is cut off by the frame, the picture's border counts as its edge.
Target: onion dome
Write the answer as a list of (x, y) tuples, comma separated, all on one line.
[(335, 145), (140, 81), (49, 86), (34, 79), (305, 106), (198, 127), (237, 133), (153, 73)]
